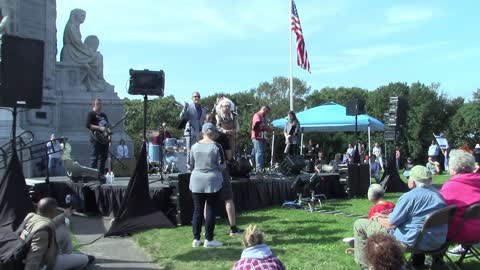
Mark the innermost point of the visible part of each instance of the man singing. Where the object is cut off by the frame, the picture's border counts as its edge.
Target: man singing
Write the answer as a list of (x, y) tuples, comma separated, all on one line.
[(194, 113), (96, 121), (258, 136)]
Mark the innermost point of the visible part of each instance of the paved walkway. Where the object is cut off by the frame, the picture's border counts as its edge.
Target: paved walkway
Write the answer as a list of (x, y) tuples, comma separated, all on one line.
[(112, 252)]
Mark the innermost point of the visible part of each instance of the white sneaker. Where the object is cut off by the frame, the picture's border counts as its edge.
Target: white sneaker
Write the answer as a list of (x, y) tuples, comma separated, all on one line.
[(213, 243), (456, 251), (197, 243), (349, 241)]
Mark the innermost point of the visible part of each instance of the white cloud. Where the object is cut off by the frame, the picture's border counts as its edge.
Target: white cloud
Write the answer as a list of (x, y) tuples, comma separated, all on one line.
[(408, 14), (354, 58)]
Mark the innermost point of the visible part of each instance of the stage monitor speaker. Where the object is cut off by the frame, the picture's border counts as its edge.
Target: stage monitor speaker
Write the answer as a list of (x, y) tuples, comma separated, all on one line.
[(183, 201), (292, 165), (21, 72), (356, 106), (358, 180), (146, 82)]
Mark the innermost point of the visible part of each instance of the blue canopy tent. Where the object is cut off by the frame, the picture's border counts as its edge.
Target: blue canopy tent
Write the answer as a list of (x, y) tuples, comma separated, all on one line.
[(331, 117)]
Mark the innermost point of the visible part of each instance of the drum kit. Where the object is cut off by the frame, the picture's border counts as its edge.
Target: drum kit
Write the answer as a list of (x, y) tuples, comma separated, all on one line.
[(171, 157)]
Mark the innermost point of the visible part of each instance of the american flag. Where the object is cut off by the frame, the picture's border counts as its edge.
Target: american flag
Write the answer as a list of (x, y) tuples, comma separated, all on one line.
[(302, 56)]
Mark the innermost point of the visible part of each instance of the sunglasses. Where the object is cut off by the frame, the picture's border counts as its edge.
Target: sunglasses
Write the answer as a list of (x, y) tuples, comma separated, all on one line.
[(195, 96)]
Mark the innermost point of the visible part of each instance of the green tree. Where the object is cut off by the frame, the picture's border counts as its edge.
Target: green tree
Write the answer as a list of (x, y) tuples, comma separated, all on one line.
[(465, 125)]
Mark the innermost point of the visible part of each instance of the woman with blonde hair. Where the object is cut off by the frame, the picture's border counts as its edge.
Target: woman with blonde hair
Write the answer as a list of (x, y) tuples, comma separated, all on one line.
[(256, 254)]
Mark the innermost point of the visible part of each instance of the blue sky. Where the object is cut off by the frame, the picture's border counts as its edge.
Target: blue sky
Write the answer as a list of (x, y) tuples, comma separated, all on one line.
[(233, 45)]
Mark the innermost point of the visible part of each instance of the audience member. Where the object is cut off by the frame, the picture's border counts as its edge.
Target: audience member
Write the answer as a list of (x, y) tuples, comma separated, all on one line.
[(208, 161), (375, 195), (383, 252), (407, 219), (434, 151), (45, 251), (375, 168), (476, 155), (462, 190), (256, 255), (433, 166), (319, 162), (67, 258), (54, 151), (350, 150), (397, 157), (377, 151), (335, 163)]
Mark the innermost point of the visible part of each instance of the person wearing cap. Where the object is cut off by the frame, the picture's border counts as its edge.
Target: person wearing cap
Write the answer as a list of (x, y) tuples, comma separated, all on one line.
[(462, 190), (207, 162), (406, 219), (195, 114)]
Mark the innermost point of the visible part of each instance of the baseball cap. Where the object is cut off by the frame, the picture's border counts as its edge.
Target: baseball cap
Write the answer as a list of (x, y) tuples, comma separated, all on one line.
[(421, 174), (207, 126)]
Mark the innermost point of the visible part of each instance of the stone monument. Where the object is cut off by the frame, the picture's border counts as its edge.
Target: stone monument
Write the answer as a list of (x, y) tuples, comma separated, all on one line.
[(69, 85)]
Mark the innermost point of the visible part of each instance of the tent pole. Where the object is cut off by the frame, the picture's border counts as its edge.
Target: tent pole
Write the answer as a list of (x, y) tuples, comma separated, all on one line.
[(301, 143), (369, 154), (273, 150)]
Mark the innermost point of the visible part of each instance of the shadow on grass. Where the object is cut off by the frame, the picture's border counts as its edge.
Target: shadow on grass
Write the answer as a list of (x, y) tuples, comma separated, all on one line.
[(253, 219), (210, 254)]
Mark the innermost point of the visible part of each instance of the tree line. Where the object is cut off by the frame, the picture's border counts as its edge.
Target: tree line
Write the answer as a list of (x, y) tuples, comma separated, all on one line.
[(429, 111)]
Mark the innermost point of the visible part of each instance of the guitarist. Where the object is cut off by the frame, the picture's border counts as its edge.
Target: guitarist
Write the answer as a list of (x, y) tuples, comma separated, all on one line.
[(292, 135), (98, 121)]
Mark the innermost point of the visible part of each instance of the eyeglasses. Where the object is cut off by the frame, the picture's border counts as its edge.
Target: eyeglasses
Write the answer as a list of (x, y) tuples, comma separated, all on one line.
[(195, 96)]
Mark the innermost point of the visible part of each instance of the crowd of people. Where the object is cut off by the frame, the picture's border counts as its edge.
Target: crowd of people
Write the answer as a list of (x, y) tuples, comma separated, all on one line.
[(398, 230)]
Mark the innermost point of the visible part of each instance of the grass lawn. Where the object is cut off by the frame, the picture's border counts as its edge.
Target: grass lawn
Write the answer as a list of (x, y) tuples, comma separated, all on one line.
[(302, 240)]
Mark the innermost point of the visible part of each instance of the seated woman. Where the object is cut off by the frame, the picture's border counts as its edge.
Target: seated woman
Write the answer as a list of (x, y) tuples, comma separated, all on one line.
[(433, 166), (256, 254), (462, 190), (335, 162)]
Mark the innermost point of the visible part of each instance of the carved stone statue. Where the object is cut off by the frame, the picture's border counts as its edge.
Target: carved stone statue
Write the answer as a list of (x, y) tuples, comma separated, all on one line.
[(83, 53)]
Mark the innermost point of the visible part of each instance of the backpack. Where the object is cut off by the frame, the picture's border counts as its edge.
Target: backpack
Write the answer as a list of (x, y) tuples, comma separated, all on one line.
[(14, 249)]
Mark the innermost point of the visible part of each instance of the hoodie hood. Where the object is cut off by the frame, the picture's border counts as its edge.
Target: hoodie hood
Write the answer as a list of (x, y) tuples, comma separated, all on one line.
[(469, 179), (257, 252)]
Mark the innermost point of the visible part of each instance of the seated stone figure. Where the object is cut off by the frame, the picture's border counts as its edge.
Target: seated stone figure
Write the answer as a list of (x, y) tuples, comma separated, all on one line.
[(83, 53)]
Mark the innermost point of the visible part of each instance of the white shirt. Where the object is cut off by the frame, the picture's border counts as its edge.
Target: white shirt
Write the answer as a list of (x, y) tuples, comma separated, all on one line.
[(122, 151)]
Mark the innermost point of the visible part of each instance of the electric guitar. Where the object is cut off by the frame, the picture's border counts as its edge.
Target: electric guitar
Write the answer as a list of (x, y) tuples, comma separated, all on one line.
[(105, 136)]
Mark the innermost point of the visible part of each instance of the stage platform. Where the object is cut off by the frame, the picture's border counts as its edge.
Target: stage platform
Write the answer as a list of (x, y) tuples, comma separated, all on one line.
[(172, 195)]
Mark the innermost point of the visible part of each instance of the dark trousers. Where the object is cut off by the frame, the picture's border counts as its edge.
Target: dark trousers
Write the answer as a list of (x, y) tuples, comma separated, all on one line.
[(98, 156), (199, 200)]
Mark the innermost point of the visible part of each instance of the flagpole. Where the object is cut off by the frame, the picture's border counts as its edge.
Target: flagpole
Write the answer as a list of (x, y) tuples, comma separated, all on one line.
[(291, 61)]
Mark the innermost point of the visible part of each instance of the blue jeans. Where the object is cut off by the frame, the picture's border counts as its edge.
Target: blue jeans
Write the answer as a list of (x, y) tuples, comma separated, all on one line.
[(259, 146), (54, 166)]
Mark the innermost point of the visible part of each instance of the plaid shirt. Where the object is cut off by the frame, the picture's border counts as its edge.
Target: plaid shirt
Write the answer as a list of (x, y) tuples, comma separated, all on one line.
[(269, 263)]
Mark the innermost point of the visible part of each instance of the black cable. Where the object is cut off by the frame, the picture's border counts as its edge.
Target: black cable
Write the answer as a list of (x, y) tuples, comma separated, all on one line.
[(91, 242)]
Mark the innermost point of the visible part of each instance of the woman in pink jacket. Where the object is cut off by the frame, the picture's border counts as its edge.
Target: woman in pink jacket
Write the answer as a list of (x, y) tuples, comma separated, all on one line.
[(462, 190)]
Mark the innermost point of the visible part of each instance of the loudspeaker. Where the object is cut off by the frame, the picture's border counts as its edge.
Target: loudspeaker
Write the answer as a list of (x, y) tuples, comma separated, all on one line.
[(146, 82), (397, 112), (358, 180), (292, 165), (182, 197), (21, 72), (356, 106)]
